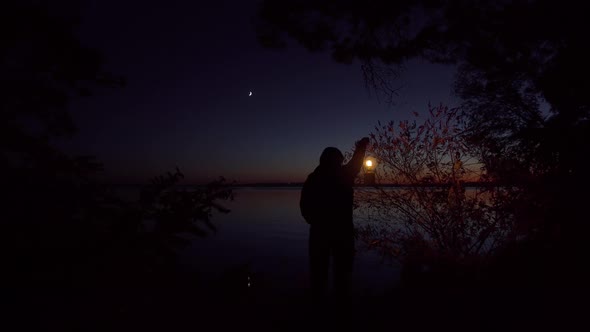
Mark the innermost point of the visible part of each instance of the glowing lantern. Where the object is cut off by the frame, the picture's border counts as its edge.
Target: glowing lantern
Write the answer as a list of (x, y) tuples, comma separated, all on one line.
[(369, 174)]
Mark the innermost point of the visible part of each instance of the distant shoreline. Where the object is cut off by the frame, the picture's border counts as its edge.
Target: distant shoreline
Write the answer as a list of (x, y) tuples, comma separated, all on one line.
[(300, 184), (384, 185)]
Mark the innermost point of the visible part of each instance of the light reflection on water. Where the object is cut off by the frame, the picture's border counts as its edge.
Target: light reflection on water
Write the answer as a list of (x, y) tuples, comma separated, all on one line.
[(266, 237)]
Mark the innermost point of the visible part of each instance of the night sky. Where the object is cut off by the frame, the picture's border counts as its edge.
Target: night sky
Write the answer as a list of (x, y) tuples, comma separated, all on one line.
[(189, 68)]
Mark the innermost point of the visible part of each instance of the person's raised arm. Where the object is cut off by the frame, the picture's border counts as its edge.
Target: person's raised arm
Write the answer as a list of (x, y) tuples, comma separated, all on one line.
[(353, 167)]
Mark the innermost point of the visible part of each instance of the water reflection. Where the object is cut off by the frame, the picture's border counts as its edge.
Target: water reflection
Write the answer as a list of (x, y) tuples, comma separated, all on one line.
[(262, 245)]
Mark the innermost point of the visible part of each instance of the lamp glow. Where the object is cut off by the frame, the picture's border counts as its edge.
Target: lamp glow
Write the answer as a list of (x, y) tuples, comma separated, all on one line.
[(369, 178)]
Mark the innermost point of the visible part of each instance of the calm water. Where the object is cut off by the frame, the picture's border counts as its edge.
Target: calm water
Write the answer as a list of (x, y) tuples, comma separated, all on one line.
[(266, 236)]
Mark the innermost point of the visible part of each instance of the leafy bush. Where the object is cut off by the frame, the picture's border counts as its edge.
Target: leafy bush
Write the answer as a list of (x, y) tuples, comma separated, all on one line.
[(431, 216)]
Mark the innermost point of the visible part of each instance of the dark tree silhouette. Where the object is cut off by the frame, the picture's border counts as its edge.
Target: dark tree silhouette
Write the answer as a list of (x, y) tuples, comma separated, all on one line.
[(60, 225), (522, 69), (73, 251), (43, 67), (512, 58)]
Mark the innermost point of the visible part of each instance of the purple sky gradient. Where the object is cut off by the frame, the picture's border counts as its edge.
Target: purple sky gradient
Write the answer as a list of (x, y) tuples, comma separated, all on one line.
[(189, 67)]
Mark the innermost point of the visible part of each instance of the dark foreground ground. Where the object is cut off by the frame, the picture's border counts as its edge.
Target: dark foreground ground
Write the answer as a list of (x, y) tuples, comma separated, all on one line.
[(174, 308)]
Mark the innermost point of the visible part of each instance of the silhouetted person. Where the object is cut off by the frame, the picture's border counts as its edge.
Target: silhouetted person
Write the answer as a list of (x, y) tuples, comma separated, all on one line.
[(326, 204)]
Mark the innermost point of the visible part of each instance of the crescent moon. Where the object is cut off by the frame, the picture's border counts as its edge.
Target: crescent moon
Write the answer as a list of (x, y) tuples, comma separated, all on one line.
[(250, 94)]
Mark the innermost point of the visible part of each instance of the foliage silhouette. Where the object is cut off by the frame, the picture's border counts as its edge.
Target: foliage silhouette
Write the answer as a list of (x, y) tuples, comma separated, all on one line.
[(522, 85), (44, 65), (60, 224), (507, 70), (434, 222)]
